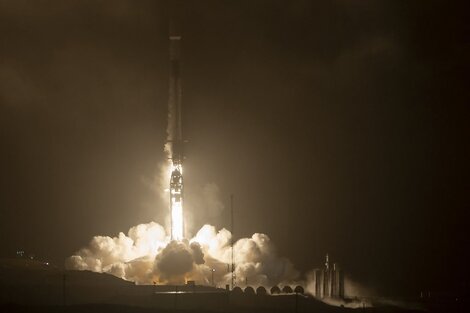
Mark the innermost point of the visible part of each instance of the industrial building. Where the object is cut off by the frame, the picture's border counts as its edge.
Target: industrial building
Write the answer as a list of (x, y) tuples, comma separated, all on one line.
[(329, 281)]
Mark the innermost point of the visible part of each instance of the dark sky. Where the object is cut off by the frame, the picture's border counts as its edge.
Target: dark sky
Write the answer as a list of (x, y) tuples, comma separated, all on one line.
[(340, 126)]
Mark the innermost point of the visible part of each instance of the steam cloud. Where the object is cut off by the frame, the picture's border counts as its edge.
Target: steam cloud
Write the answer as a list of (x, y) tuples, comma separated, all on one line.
[(146, 255)]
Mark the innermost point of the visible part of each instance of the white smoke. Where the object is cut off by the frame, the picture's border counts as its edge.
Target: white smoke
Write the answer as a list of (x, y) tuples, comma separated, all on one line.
[(130, 257), (146, 255)]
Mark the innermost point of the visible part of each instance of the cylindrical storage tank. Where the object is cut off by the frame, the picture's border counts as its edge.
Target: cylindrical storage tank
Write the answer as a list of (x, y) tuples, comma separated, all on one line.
[(318, 283), (287, 289), (249, 290), (237, 290), (275, 290), (299, 289), (261, 291), (339, 283)]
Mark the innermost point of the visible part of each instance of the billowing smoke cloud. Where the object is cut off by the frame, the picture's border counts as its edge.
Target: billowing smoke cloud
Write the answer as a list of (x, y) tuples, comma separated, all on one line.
[(255, 258), (130, 257), (198, 255), (176, 260), (146, 255)]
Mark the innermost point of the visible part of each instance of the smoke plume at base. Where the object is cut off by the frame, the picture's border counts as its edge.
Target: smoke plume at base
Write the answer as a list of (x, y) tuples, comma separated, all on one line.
[(146, 255)]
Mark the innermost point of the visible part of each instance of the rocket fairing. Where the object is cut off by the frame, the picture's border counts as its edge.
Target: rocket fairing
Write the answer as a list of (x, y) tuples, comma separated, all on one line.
[(175, 137)]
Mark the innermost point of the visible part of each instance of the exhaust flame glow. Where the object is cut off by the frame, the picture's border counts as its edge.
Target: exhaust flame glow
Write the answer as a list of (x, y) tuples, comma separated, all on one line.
[(176, 202), (177, 221)]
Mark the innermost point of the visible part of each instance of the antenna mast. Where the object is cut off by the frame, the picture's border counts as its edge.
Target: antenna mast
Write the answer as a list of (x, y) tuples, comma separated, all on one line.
[(231, 238)]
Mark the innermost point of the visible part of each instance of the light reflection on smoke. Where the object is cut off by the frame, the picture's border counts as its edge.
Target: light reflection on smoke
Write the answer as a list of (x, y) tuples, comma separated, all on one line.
[(139, 256)]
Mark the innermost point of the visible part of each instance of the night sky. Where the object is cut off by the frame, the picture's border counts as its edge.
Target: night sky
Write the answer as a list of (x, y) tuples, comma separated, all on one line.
[(340, 126)]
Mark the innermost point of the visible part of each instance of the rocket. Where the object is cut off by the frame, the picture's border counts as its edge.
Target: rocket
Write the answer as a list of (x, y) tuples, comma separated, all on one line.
[(175, 94), (175, 133)]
